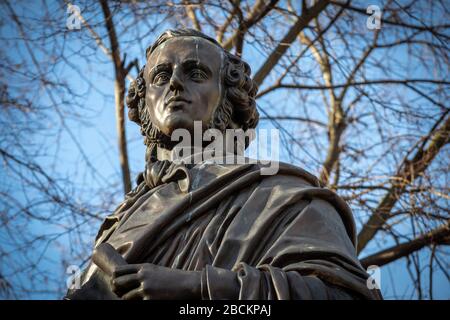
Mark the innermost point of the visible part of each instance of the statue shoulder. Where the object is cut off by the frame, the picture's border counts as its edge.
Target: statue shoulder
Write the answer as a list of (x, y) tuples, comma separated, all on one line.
[(283, 172), (291, 180)]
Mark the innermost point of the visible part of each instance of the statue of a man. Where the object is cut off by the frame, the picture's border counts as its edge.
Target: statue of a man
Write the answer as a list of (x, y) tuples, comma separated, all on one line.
[(210, 231)]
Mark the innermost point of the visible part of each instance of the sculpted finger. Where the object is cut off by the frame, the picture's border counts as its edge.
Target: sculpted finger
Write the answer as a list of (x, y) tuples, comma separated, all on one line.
[(135, 294), (125, 269), (125, 283)]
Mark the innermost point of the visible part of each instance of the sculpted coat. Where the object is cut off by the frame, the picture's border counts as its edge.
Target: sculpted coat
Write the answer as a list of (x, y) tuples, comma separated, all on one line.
[(270, 237), (218, 231)]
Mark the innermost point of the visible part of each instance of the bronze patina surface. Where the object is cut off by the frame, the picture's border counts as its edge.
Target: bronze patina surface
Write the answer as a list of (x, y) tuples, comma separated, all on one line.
[(217, 231)]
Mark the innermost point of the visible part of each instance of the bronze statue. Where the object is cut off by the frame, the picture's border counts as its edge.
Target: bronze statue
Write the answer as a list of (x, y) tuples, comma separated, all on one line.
[(209, 231)]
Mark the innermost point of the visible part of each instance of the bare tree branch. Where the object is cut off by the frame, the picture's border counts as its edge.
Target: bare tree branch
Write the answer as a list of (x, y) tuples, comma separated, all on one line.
[(301, 23), (190, 11), (259, 11), (440, 235), (119, 93), (352, 84), (407, 172)]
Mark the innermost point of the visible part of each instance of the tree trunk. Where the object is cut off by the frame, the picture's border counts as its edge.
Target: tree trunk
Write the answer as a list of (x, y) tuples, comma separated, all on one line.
[(119, 93)]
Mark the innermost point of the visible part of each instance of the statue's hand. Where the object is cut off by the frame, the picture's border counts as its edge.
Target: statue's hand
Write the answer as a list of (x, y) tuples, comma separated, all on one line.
[(148, 281)]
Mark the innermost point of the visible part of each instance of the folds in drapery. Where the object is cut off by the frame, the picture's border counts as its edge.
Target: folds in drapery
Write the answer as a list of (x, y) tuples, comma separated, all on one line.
[(254, 236)]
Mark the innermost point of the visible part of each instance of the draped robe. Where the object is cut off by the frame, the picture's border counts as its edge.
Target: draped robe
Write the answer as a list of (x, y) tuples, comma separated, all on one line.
[(253, 236)]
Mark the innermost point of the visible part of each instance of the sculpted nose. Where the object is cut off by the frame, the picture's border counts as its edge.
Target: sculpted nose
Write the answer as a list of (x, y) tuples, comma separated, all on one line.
[(175, 82)]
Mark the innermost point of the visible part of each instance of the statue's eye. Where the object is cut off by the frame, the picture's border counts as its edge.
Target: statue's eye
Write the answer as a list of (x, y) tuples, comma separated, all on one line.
[(198, 75), (161, 78)]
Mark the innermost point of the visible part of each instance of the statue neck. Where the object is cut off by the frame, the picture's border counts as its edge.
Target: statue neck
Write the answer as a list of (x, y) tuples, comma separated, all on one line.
[(222, 148)]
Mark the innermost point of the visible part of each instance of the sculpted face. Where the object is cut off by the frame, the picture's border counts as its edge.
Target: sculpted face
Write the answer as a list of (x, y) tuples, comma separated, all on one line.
[(183, 83)]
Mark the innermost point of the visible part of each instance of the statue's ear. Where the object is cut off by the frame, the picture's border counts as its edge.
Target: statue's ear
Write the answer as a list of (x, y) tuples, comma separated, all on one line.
[(132, 101)]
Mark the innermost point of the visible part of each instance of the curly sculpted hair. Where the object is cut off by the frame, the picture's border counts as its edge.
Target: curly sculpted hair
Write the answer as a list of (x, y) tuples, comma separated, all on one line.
[(237, 103)]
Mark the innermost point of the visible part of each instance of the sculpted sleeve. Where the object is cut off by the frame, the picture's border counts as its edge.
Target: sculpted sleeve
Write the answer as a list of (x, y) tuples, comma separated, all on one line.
[(289, 241)]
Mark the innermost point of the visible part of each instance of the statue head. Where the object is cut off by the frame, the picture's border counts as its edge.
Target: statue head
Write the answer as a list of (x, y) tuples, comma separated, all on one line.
[(189, 77)]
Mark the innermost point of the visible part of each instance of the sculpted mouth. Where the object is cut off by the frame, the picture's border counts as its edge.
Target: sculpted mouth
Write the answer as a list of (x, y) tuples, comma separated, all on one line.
[(176, 106), (176, 100), (176, 103)]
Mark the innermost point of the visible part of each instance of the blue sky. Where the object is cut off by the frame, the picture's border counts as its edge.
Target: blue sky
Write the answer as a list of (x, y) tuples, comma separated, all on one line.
[(93, 82)]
